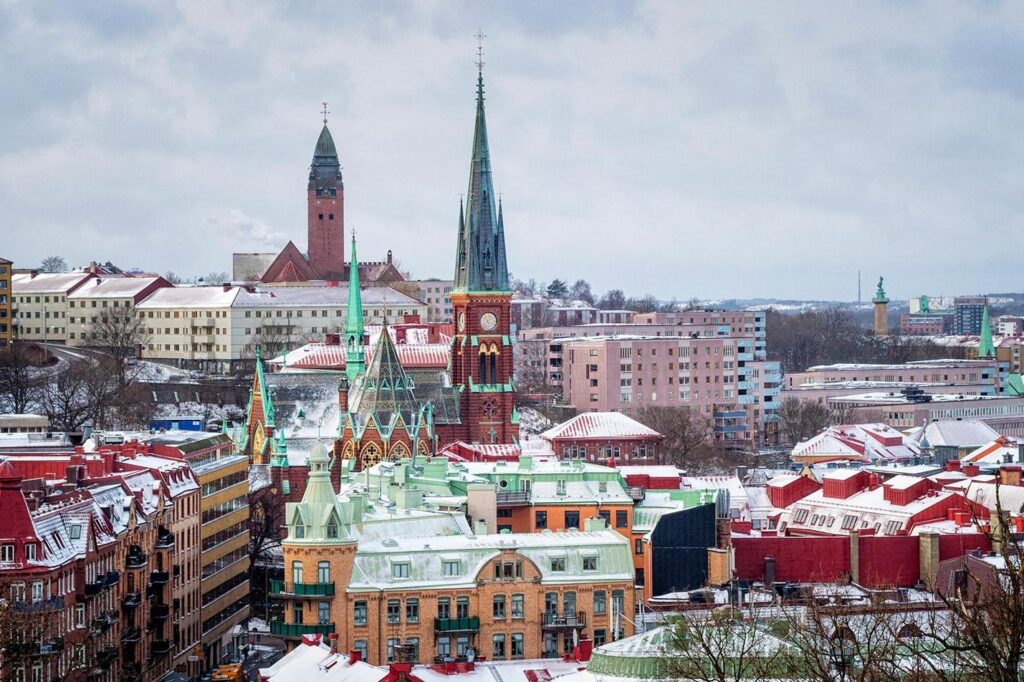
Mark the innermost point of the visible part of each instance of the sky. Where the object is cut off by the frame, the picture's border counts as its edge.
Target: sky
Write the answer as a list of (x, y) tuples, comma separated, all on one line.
[(684, 149)]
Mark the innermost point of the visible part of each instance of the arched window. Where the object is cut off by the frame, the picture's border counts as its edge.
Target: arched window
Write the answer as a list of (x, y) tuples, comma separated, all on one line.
[(399, 451), (422, 450), (370, 455)]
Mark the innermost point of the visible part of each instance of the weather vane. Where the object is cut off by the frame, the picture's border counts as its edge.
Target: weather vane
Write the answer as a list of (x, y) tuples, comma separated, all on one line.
[(325, 112), (480, 50)]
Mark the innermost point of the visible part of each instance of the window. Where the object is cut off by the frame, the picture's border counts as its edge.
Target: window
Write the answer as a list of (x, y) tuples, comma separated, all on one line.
[(462, 607), (412, 610), (17, 592), (590, 563), (323, 612), (560, 486), (498, 646), (541, 520), (332, 529), (572, 519), (618, 600), (638, 576), (360, 646), (498, 607), (638, 546), (297, 572), (849, 522), (414, 647), (600, 602), (558, 564), (394, 611), (444, 648), (37, 591), (800, 515), (517, 645), (393, 642), (518, 602), (79, 615), (359, 613), (7, 553), (30, 552), (400, 571), (600, 637), (323, 572), (297, 613), (451, 568), (621, 519)]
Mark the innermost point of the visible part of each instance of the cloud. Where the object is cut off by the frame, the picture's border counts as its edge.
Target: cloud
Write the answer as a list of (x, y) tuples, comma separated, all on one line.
[(686, 149)]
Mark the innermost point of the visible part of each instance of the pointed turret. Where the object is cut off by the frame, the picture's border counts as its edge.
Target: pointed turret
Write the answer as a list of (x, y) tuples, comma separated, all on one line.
[(986, 349), (355, 358), (385, 390), (319, 518), (480, 258), (325, 169)]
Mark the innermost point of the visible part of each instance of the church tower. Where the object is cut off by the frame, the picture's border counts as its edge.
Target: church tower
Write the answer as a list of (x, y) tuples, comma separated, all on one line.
[(481, 365), (326, 210)]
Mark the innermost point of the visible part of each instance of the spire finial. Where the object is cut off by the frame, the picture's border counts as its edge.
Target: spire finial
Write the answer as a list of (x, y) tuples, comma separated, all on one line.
[(480, 52), (324, 111)]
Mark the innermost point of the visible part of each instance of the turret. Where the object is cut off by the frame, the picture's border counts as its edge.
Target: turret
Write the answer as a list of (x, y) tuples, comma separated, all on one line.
[(355, 331)]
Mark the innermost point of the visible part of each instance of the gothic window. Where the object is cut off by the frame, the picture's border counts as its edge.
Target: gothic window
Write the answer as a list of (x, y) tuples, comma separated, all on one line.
[(370, 455), (348, 450), (490, 407), (399, 451)]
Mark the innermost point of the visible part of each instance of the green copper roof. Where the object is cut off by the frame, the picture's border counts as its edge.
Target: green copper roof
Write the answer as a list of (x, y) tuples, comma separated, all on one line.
[(325, 171), (268, 402), (355, 360), (480, 263), (1015, 384), (985, 347), (385, 390), (318, 519)]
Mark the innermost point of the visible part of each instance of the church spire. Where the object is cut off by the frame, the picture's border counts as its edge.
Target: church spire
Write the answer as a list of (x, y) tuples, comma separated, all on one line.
[(355, 359), (986, 349), (480, 259)]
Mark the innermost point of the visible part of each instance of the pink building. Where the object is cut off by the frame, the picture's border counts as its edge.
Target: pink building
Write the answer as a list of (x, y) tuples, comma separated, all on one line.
[(717, 377)]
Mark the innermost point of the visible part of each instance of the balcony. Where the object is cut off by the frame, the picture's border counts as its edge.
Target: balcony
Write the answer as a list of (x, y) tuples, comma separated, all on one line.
[(297, 630), (160, 647), (111, 579), (131, 636), (569, 621), (49, 647), (282, 590), (165, 541), (131, 600), (159, 612), (95, 587), (457, 624), (42, 606), (106, 656), (136, 558), (513, 499), (159, 577)]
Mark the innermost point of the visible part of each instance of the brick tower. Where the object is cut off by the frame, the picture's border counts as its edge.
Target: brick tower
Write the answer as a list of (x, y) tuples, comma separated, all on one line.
[(881, 310), (481, 365), (326, 210)]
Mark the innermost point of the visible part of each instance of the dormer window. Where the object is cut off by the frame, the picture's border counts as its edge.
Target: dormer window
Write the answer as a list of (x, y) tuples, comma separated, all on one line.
[(6, 553), (75, 531), (332, 529), (400, 571), (30, 552), (300, 531)]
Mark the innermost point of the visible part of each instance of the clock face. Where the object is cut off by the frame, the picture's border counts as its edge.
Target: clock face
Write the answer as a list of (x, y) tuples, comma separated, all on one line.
[(488, 321), (462, 322)]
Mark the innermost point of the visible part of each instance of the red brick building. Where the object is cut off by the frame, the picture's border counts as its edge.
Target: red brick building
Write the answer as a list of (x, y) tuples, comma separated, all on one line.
[(606, 436)]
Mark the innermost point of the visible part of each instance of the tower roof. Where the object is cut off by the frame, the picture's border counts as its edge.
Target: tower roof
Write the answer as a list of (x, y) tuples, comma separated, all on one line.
[(480, 257), (385, 391), (325, 170), (986, 349), (354, 314)]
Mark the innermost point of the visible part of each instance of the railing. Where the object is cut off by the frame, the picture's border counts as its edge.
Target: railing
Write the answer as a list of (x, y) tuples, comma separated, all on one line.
[(48, 647), (457, 624), (131, 600), (278, 588), (131, 636), (159, 612), (296, 630), (513, 498), (135, 560), (165, 541), (159, 577), (565, 620), (111, 579), (106, 656), (42, 606), (160, 647), (635, 492)]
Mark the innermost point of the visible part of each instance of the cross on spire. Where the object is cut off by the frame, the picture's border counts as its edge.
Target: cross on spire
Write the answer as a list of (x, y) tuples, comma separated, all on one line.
[(480, 51), (325, 112)]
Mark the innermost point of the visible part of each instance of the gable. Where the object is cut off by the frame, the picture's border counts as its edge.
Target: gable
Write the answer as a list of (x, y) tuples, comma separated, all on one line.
[(299, 271)]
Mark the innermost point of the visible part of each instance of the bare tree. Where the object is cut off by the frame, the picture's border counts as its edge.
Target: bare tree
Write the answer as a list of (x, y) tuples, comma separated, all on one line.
[(19, 379), (122, 334), (65, 398), (688, 442), (275, 339), (614, 299), (801, 419), (54, 264)]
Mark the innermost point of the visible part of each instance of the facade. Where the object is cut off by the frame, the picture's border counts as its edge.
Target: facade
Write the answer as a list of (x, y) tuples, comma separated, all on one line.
[(450, 597), (606, 437), (435, 293), (967, 312), (6, 303), (40, 303), (859, 443), (217, 328), (940, 372), (718, 377), (926, 324), (92, 302), (1005, 413)]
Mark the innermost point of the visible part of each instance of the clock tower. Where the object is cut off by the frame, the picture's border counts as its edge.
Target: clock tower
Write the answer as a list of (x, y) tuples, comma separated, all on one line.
[(481, 365)]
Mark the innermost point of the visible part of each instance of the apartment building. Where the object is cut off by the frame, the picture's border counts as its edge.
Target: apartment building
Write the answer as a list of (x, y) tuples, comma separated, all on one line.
[(966, 373), (967, 314), (40, 304), (718, 377), (6, 303), (435, 293), (217, 328), (89, 304), (1004, 413), (223, 542), (452, 597)]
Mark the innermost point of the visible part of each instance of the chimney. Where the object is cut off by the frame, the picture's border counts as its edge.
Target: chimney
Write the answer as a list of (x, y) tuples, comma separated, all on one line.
[(332, 642), (354, 656), (1010, 474), (970, 470), (226, 287), (343, 394)]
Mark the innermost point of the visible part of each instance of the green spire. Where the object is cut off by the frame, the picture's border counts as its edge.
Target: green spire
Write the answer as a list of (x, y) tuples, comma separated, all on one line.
[(355, 357), (268, 401), (985, 347)]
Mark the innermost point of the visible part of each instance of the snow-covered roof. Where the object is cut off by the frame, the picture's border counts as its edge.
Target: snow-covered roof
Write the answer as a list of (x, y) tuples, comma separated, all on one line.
[(868, 443), (600, 425), (318, 661), (319, 355), (304, 297), (1001, 450), (114, 287), (961, 433), (47, 282), (190, 297), (821, 515)]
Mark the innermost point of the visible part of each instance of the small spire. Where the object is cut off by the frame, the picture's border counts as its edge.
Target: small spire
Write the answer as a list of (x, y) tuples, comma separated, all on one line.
[(480, 64), (325, 112)]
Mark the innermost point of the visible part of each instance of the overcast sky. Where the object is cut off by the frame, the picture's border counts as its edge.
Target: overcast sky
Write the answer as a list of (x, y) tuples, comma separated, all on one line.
[(685, 149)]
